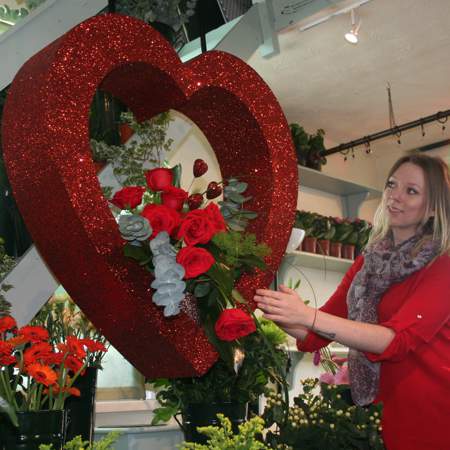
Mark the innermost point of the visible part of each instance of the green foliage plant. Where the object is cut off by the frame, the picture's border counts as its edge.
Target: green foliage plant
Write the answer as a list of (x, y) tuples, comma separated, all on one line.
[(309, 147), (305, 221), (77, 443), (146, 147), (222, 437), (322, 419)]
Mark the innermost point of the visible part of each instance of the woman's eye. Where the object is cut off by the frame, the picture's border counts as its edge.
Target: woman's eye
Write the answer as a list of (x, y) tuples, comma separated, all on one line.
[(412, 191)]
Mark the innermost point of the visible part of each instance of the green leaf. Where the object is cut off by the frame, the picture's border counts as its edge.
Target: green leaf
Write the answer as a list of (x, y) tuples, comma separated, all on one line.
[(164, 414), (176, 175), (138, 253), (6, 408), (202, 289)]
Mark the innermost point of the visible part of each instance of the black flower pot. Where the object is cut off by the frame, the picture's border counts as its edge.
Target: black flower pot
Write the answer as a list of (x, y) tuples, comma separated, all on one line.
[(81, 410), (35, 428), (205, 414)]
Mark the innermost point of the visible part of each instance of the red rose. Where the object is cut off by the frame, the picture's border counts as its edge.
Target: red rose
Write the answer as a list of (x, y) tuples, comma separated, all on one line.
[(7, 323), (195, 261), (196, 228), (216, 217), (233, 324), (128, 197), (161, 218), (174, 197), (159, 179)]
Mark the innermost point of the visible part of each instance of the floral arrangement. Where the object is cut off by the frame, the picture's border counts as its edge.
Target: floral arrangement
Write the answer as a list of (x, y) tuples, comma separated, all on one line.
[(222, 437), (255, 364), (36, 375), (323, 415), (323, 420), (196, 251), (62, 318)]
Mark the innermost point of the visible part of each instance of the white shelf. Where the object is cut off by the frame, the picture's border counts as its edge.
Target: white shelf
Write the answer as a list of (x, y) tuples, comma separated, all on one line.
[(321, 262), (352, 194), (322, 182)]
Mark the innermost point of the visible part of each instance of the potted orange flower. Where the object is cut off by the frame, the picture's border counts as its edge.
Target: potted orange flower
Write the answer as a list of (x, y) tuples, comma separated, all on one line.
[(36, 377)]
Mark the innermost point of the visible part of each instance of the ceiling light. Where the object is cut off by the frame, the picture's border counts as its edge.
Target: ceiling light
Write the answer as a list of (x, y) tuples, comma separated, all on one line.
[(352, 35)]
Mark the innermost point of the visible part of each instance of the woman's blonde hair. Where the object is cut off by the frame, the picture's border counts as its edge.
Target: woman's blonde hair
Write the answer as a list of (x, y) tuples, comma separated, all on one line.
[(437, 182)]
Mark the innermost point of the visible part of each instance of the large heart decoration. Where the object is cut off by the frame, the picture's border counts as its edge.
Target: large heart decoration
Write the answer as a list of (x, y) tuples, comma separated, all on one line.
[(48, 157)]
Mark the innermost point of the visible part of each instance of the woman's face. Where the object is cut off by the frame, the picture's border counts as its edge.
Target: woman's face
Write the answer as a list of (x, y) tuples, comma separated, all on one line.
[(406, 200)]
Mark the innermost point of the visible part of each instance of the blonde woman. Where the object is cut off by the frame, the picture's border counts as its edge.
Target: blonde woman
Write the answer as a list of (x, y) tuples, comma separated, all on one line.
[(392, 309)]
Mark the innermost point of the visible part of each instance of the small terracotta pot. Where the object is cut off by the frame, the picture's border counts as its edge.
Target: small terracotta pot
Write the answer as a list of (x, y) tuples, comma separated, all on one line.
[(309, 244), (323, 247), (125, 132), (336, 249), (348, 251)]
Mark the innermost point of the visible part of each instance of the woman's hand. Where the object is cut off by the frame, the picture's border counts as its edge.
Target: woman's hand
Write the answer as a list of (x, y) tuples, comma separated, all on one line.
[(286, 309)]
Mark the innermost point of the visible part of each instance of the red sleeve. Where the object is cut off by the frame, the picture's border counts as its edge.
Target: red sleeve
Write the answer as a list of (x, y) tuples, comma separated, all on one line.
[(336, 305), (424, 313)]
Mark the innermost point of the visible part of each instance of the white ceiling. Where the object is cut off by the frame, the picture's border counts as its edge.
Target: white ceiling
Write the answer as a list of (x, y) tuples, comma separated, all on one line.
[(324, 82)]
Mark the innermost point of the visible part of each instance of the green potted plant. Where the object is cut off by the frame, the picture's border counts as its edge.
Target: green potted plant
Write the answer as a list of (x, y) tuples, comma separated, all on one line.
[(309, 147), (305, 221), (224, 389), (324, 230), (363, 228), (343, 237)]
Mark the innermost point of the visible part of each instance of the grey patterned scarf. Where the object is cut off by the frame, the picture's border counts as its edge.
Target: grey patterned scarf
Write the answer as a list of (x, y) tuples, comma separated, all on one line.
[(384, 265)]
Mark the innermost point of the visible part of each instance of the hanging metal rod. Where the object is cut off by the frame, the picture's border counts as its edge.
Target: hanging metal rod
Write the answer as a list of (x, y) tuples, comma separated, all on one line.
[(440, 116)]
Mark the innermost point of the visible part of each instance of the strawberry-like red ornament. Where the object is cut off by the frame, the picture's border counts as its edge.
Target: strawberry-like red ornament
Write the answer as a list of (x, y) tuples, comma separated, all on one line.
[(214, 190), (200, 168), (194, 201)]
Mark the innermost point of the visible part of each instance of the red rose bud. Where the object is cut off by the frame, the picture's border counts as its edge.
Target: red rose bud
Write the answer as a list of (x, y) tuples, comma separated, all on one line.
[(195, 201), (233, 324), (174, 197), (159, 179), (213, 190), (128, 197), (200, 168), (195, 261)]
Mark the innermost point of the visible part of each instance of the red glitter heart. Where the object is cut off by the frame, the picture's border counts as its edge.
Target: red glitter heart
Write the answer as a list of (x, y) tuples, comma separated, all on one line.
[(200, 168), (48, 157), (213, 190)]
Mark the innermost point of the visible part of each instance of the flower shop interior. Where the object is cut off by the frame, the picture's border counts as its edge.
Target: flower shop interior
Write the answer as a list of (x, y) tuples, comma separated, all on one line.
[(355, 104)]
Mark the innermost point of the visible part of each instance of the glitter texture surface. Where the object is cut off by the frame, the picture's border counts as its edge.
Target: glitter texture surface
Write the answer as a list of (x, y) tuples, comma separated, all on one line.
[(48, 157)]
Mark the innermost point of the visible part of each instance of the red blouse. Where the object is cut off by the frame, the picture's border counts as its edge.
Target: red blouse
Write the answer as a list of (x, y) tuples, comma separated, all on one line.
[(415, 367)]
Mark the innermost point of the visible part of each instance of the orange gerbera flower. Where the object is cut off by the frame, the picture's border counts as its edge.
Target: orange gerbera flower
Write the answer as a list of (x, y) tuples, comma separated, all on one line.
[(42, 374), (56, 390), (17, 341), (7, 360), (7, 323), (75, 347), (73, 364), (93, 346), (34, 334), (38, 352)]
